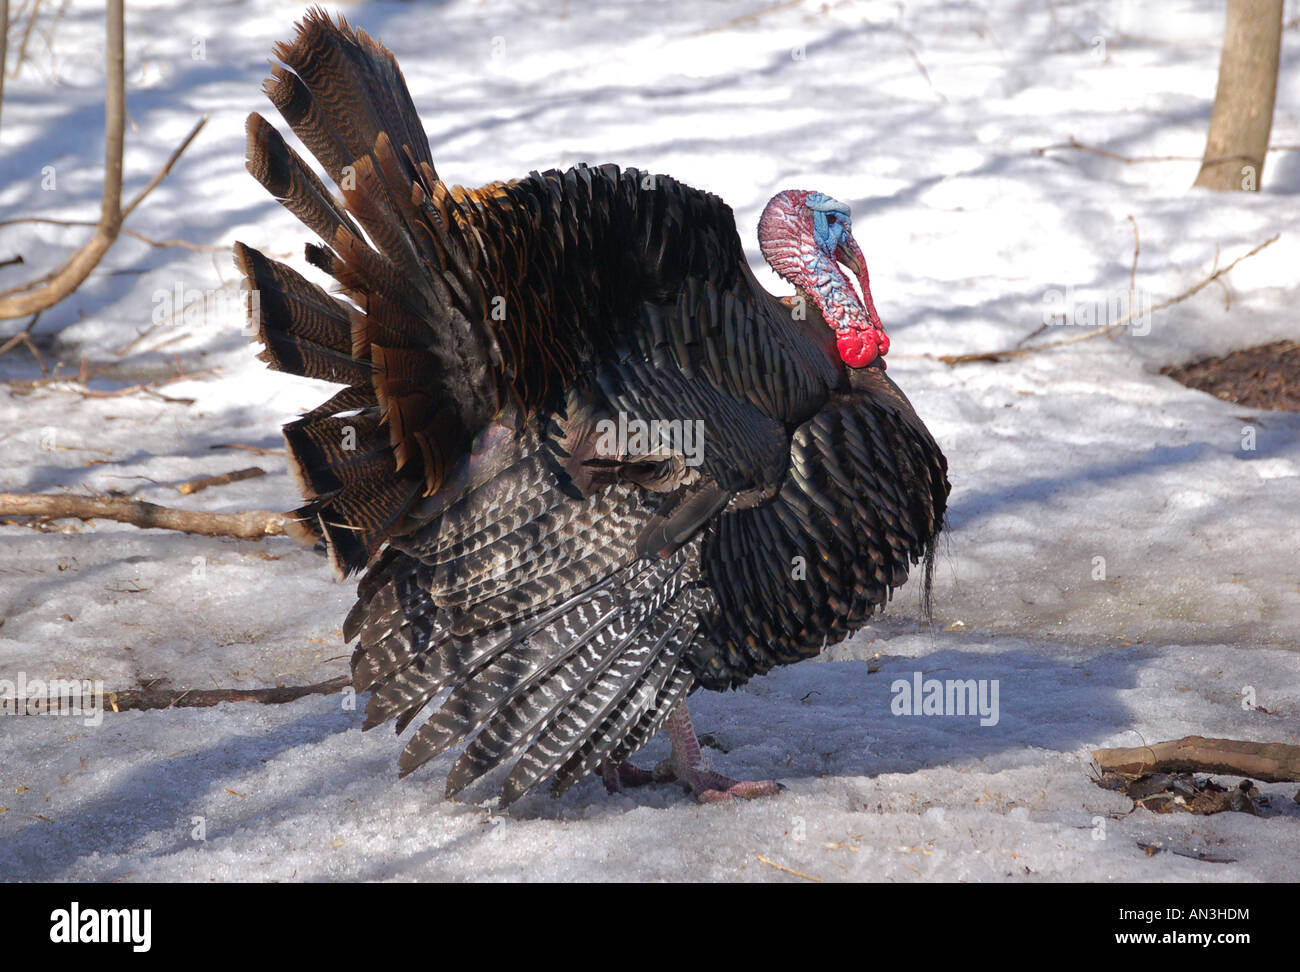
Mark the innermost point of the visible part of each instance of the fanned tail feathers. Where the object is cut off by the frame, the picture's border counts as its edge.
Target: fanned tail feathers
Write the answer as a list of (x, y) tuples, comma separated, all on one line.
[(407, 337)]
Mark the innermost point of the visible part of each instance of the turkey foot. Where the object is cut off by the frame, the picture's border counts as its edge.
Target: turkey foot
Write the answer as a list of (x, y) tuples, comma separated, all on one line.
[(708, 786), (711, 787), (688, 765), (627, 774)]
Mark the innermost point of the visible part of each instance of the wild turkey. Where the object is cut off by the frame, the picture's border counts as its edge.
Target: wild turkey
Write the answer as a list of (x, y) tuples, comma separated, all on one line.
[(586, 461)]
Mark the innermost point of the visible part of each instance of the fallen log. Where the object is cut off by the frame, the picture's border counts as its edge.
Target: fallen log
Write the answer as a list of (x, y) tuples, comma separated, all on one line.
[(248, 525), (1267, 762)]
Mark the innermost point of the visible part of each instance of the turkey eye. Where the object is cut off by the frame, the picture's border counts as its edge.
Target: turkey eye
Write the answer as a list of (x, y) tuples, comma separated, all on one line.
[(830, 218)]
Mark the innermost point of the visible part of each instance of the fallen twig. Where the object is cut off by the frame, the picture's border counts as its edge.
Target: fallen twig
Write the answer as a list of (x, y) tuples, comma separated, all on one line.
[(789, 870), (1269, 762), (80, 383), (248, 525), (171, 699), (194, 485), (749, 17), (260, 450), (1109, 329), (148, 387)]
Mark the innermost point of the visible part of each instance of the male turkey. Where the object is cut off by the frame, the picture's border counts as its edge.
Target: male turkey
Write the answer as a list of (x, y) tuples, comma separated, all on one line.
[(587, 463)]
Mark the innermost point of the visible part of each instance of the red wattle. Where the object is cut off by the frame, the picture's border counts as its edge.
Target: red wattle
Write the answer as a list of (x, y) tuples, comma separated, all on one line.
[(859, 348)]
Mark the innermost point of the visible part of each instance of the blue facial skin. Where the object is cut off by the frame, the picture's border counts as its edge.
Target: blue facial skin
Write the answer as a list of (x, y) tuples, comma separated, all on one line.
[(830, 222), (830, 226)]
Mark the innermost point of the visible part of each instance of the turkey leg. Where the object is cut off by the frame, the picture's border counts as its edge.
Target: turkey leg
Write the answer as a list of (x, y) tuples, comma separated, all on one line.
[(688, 766)]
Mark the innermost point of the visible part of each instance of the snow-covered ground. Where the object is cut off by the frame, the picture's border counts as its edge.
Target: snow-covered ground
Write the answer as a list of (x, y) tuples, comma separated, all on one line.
[(1121, 554)]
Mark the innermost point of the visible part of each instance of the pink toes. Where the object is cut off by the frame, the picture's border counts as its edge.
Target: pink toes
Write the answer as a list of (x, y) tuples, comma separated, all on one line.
[(715, 788)]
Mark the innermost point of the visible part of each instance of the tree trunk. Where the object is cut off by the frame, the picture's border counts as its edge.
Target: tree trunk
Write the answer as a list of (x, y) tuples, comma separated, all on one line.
[(1243, 103)]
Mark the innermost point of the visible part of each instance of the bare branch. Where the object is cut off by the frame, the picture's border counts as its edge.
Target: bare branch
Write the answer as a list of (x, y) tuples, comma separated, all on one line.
[(25, 337), (1074, 143), (167, 167), (183, 244), (920, 66), (27, 33), (1109, 329), (54, 221), (171, 699)]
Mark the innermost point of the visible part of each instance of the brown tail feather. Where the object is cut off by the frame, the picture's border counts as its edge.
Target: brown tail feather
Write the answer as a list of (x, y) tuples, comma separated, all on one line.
[(340, 444), (284, 174), (357, 519), (306, 331), (328, 94)]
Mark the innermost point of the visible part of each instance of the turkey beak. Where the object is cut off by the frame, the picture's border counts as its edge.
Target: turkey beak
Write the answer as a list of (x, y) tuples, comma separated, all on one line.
[(850, 255), (849, 259)]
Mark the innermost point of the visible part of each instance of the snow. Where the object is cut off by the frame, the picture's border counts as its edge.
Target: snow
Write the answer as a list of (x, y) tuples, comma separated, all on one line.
[(925, 117)]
